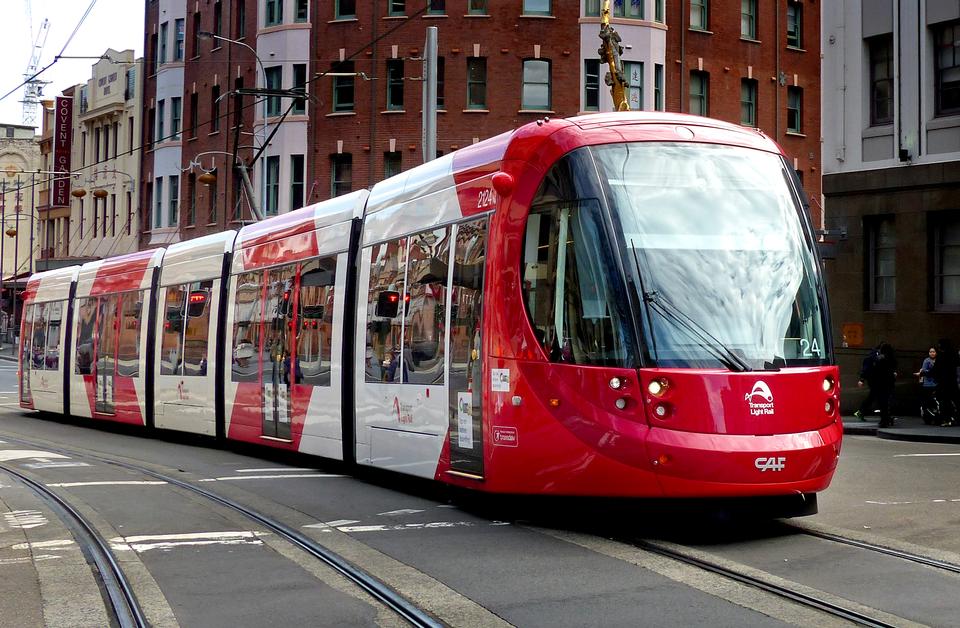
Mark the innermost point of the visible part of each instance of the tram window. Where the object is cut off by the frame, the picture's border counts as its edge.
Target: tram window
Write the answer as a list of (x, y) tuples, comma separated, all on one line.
[(54, 318), (425, 307), (246, 326), (26, 340), (388, 263), (186, 329), (315, 321), (275, 358), (86, 319), (107, 335), (569, 286), (38, 335), (128, 351), (170, 347)]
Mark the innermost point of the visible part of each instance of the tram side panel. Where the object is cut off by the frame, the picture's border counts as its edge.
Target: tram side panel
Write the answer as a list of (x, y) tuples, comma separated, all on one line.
[(284, 338)]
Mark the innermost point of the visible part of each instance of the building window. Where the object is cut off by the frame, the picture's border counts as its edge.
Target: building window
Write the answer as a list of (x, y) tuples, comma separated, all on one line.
[(618, 8), (633, 73), (476, 7), (217, 18), (173, 204), (748, 102), (274, 13), (536, 85), (131, 86), (345, 9), (441, 76), (157, 204), (794, 24), (274, 80), (591, 85), (271, 182), (153, 56), (658, 11), (536, 7), (300, 84), (195, 35), (947, 61), (106, 142), (343, 90), (240, 15), (397, 7), (237, 102), (113, 216), (194, 113), (794, 109), (191, 199), (437, 7), (178, 44), (212, 203), (96, 144), (882, 248), (149, 129), (214, 108), (161, 114), (296, 182), (658, 87), (881, 79), (392, 164), (129, 211), (301, 12), (699, 14), (341, 174), (748, 19), (476, 82), (175, 113), (947, 264), (163, 43), (394, 84), (699, 93)]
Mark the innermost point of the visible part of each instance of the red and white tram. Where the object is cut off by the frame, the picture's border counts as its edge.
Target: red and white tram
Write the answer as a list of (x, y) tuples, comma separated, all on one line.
[(620, 304)]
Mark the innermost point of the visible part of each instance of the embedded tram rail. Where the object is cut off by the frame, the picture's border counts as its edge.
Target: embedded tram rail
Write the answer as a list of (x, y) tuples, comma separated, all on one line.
[(122, 599)]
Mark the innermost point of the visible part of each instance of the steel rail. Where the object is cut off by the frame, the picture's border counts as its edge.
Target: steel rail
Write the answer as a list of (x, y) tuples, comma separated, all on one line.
[(119, 592), (371, 585), (785, 592)]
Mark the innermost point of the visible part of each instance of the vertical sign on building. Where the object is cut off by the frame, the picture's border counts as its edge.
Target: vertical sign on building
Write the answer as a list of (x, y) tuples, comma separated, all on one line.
[(62, 144)]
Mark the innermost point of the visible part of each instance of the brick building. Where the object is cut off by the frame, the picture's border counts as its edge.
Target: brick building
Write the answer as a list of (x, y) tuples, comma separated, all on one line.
[(501, 64)]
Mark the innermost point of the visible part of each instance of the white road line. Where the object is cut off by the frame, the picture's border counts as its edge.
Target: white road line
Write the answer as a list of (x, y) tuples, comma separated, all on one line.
[(10, 404), (43, 544), (272, 477), (417, 526), (332, 524), (397, 513), (274, 469), (932, 501), (114, 483), (924, 455), (27, 559), (143, 543), (6, 455)]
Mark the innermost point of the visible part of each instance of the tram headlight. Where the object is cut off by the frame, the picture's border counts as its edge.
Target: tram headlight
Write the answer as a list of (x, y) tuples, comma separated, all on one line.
[(658, 387), (616, 383), (828, 384)]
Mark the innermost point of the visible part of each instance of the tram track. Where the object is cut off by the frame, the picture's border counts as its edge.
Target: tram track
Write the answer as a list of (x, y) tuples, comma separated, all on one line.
[(378, 590), (120, 597)]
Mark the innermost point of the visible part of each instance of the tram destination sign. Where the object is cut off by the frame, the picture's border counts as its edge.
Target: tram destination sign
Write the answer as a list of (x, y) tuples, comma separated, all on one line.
[(62, 145)]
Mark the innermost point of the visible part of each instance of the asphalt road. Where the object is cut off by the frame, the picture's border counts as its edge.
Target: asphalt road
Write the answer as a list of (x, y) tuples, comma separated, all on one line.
[(464, 564)]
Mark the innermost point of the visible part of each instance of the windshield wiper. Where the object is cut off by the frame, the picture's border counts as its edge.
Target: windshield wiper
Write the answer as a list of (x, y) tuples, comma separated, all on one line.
[(708, 341)]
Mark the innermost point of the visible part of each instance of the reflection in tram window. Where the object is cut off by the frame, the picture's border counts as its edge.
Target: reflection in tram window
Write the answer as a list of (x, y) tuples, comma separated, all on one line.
[(384, 323), (106, 344), (246, 327), (37, 326), (426, 306), (128, 350), (86, 319), (277, 324), (25, 347), (54, 318), (186, 329), (315, 324)]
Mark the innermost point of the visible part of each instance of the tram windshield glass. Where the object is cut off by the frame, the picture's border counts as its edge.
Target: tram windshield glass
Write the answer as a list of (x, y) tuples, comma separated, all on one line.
[(716, 239)]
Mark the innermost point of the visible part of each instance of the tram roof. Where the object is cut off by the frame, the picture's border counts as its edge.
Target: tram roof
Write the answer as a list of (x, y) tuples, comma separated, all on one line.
[(51, 285), (310, 218), (198, 259)]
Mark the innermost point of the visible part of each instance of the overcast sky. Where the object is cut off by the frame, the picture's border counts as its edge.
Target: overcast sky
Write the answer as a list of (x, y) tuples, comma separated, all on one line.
[(116, 24)]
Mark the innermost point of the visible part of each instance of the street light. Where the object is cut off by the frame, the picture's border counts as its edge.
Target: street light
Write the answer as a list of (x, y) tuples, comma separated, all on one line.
[(209, 35)]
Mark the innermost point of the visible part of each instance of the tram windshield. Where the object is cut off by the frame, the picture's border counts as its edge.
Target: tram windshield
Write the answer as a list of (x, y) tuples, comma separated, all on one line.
[(715, 237)]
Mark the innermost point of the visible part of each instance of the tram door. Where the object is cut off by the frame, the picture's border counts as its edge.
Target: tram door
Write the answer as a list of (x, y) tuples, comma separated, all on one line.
[(466, 361), (276, 353), (26, 353), (105, 348)]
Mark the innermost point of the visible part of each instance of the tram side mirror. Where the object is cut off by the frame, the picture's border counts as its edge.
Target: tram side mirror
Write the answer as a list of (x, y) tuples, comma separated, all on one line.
[(388, 304)]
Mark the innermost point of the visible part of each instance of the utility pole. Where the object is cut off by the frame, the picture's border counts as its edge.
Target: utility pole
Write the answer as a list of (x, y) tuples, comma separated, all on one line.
[(429, 138), (3, 226)]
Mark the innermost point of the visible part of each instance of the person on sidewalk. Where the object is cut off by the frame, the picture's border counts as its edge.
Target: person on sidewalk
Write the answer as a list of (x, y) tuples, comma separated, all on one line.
[(945, 374), (929, 409), (879, 372)]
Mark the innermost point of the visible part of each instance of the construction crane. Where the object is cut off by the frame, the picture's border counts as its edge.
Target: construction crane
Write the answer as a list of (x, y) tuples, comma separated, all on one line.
[(610, 51), (33, 87)]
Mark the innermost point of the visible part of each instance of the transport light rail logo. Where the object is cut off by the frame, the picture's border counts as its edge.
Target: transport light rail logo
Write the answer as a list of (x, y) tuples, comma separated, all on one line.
[(760, 399)]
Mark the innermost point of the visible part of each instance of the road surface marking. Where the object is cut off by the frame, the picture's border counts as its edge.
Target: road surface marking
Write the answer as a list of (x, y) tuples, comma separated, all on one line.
[(43, 544), (144, 543), (923, 455), (272, 477), (6, 455), (274, 469), (25, 519), (396, 513), (332, 524), (115, 483), (27, 559)]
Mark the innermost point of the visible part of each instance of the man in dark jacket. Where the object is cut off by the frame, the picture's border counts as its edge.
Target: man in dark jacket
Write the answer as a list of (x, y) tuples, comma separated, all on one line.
[(879, 372)]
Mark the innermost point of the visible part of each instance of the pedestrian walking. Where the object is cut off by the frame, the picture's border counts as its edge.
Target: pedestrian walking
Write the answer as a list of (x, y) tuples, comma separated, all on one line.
[(929, 408), (945, 374), (879, 373)]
